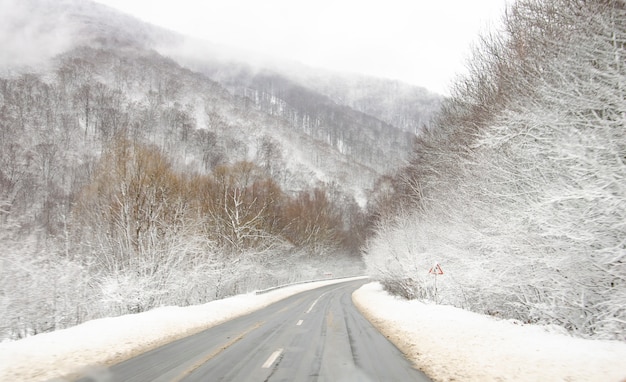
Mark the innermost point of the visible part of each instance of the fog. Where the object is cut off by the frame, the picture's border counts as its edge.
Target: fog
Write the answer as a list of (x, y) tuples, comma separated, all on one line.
[(30, 34), (417, 42)]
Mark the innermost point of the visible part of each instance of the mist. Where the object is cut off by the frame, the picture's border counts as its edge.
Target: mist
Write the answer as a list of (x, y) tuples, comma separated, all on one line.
[(30, 35)]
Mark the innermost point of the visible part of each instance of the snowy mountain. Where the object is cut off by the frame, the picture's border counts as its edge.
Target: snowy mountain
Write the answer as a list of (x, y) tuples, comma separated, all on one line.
[(325, 134), (139, 167)]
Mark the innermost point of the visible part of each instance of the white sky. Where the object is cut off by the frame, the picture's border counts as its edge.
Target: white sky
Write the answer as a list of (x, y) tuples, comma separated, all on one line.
[(423, 42)]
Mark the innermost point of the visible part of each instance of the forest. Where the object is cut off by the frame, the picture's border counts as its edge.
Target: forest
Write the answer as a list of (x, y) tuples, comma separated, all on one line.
[(518, 190), (128, 182)]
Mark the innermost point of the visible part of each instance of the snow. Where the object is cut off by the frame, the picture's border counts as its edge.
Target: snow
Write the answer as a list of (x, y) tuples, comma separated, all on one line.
[(447, 343), (451, 344), (102, 342)]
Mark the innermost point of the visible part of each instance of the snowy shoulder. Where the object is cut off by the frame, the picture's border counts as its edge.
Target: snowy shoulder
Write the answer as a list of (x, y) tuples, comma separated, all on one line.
[(449, 343), (107, 341)]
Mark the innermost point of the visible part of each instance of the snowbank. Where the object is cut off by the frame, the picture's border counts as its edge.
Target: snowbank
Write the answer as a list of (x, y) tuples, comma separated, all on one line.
[(107, 341), (451, 344), (445, 342)]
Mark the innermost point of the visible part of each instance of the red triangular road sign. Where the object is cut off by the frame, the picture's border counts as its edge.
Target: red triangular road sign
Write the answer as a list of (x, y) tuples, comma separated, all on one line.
[(436, 270)]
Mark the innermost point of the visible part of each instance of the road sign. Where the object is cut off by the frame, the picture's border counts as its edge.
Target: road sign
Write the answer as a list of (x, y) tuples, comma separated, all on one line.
[(436, 270)]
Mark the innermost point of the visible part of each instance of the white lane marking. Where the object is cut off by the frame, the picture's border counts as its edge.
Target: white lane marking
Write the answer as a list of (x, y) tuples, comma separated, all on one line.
[(315, 302), (272, 358), (299, 323)]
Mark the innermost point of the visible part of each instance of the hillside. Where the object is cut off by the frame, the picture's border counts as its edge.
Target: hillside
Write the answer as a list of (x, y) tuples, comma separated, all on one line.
[(327, 108), (336, 114), (135, 178)]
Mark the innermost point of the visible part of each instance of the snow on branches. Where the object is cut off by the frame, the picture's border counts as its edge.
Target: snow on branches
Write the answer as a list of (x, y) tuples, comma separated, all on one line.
[(523, 182)]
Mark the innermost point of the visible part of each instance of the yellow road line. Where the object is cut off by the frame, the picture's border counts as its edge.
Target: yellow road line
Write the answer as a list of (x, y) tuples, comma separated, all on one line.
[(215, 352)]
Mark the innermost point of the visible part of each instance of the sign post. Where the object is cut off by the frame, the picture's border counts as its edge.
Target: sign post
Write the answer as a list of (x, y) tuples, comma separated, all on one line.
[(436, 270)]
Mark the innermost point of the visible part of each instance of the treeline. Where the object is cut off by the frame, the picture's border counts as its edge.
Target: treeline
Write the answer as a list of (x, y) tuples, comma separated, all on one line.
[(519, 189), (136, 203)]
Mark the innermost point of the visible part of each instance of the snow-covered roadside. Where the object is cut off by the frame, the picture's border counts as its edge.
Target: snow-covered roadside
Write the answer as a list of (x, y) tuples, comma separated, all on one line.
[(110, 340), (451, 344)]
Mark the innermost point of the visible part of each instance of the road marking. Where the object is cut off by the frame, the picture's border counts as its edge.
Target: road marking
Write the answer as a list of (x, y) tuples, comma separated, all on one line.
[(299, 323), (315, 302), (215, 352), (329, 318), (272, 358)]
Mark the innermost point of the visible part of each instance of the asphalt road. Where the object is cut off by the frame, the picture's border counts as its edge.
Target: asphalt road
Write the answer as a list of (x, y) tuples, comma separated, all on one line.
[(317, 335)]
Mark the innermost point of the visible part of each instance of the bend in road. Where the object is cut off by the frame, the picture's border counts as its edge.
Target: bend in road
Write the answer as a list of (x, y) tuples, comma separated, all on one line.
[(317, 335)]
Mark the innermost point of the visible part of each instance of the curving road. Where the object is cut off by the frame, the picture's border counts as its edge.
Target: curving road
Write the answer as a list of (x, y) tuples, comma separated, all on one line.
[(316, 335)]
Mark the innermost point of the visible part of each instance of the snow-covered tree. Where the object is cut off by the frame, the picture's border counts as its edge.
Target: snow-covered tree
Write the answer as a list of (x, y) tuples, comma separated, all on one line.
[(519, 190)]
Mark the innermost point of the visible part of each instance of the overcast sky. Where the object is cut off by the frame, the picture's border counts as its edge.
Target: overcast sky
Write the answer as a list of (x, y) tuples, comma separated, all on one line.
[(423, 42)]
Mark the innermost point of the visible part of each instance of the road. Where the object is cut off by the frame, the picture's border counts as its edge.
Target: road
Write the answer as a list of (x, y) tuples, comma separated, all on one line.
[(317, 335)]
